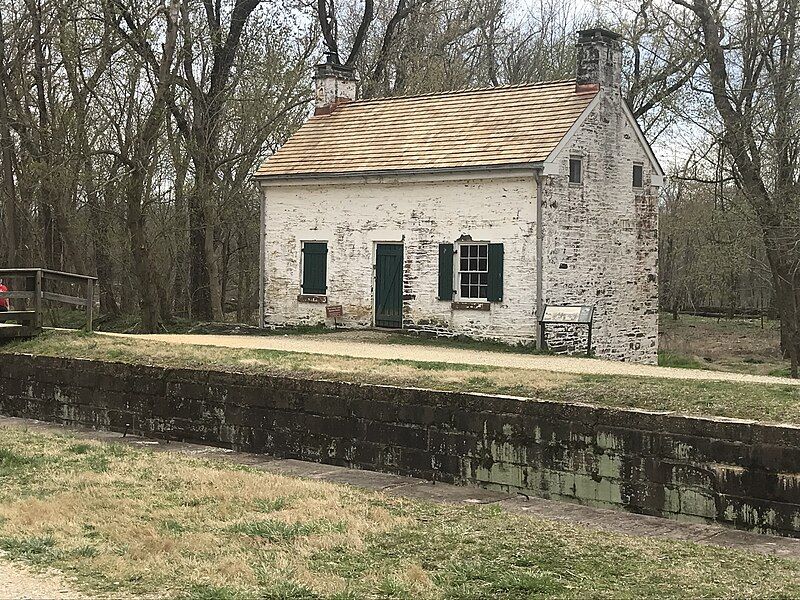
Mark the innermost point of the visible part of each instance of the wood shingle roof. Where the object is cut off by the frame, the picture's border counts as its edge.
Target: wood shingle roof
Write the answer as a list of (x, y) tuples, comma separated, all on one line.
[(512, 125)]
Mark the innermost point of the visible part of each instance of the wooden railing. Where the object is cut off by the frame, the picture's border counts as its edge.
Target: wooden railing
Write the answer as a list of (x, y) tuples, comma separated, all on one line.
[(35, 288)]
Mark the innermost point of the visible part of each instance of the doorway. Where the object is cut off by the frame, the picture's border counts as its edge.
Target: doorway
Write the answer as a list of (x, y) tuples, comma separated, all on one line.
[(389, 285)]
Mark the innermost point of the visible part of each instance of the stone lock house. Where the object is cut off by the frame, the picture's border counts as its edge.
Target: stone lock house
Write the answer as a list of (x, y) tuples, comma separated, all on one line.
[(466, 212)]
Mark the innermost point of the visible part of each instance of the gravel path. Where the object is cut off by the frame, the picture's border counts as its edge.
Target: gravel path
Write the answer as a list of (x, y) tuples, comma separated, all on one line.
[(16, 581), (357, 345)]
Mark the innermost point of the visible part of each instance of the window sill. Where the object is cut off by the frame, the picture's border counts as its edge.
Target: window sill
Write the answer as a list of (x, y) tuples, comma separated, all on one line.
[(466, 305), (313, 298)]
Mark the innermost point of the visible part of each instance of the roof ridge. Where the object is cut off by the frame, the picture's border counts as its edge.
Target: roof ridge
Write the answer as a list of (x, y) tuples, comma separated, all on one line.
[(455, 92)]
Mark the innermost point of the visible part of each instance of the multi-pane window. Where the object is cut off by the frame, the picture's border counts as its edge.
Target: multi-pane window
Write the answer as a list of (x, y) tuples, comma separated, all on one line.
[(575, 170), (638, 176), (473, 270)]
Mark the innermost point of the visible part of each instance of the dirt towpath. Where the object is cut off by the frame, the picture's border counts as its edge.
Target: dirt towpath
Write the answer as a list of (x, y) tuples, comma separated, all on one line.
[(19, 582), (368, 345)]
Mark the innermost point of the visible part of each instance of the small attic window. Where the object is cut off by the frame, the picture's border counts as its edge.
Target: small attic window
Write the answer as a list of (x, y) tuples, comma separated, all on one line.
[(576, 170), (638, 176)]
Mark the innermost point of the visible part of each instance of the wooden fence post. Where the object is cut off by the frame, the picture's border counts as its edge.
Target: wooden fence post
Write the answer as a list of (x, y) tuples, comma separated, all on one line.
[(89, 304), (37, 299)]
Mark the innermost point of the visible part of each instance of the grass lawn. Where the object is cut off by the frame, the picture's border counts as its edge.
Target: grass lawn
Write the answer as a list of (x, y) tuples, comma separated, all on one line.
[(738, 345), (122, 521), (779, 403)]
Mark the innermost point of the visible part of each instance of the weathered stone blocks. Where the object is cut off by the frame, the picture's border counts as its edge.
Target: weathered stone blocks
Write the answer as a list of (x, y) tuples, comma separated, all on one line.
[(736, 472)]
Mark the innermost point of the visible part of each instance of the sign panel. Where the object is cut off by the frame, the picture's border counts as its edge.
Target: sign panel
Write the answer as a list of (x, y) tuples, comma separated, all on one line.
[(334, 310), (567, 314)]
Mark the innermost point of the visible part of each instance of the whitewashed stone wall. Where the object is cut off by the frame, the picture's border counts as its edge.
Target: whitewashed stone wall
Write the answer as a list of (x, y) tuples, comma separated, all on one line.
[(354, 216), (601, 239), (600, 244)]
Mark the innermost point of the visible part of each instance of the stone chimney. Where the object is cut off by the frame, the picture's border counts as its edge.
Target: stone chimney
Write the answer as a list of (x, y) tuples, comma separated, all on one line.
[(334, 84), (599, 60)]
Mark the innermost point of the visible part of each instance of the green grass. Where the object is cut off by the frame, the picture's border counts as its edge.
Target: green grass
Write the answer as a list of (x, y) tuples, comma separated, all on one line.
[(778, 403), (132, 531), (127, 323), (36, 550), (783, 372), (12, 463), (69, 318), (667, 359), (57, 316), (278, 531), (760, 402)]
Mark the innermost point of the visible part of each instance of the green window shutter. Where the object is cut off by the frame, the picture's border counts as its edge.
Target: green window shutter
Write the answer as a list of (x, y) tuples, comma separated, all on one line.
[(495, 291), (315, 267), (445, 271)]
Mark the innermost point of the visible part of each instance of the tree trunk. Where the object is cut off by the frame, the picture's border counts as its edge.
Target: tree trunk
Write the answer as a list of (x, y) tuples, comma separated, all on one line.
[(214, 291), (205, 285), (141, 166), (9, 189), (199, 277), (99, 226), (202, 136), (180, 298), (786, 299), (148, 294)]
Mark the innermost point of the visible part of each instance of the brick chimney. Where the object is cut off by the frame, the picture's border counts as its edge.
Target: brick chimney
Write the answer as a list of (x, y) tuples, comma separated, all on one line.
[(599, 60), (334, 84)]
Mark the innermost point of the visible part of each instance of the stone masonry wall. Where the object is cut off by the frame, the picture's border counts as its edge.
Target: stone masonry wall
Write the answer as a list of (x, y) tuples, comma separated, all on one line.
[(734, 472), (352, 217), (600, 244), (601, 237)]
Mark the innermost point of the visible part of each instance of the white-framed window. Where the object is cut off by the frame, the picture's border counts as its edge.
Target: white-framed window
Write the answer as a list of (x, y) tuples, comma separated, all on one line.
[(473, 271)]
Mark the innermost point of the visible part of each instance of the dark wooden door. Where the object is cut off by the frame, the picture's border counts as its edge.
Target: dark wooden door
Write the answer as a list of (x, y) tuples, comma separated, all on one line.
[(389, 285)]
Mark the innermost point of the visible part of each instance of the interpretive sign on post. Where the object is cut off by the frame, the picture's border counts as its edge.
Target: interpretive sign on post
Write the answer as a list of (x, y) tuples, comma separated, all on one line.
[(333, 312), (567, 315)]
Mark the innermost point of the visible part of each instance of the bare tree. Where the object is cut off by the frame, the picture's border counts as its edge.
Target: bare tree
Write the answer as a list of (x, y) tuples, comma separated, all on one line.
[(326, 11), (9, 189), (751, 56), (140, 149), (209, 91), (662, 56)]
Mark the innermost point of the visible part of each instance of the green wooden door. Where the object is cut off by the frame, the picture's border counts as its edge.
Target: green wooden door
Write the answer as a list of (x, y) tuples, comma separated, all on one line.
[(389, 285)]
